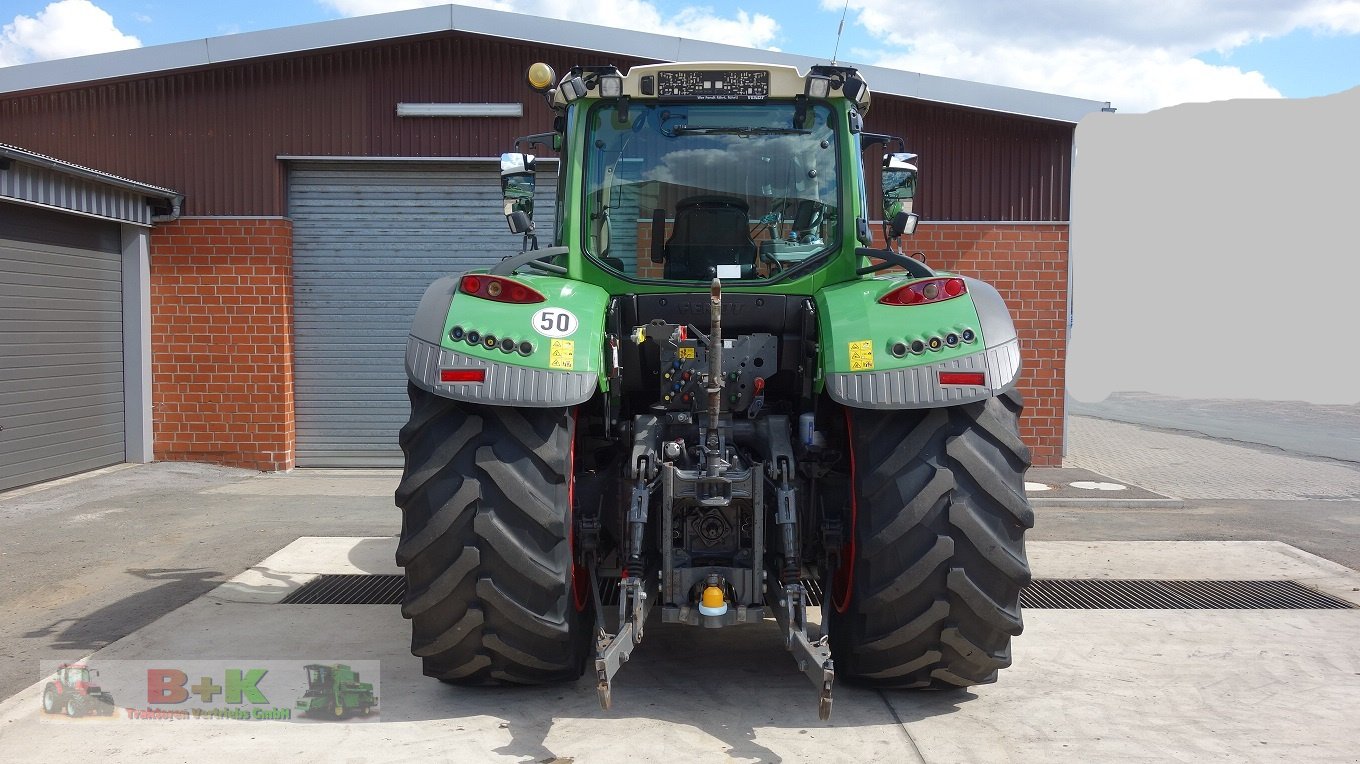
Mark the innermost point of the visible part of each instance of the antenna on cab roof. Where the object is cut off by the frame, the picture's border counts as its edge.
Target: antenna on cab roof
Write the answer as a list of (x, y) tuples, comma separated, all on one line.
[(840, 29)]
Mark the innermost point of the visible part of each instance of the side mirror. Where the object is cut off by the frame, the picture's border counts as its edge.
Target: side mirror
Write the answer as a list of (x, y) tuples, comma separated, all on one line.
[(517, 190), (899, 185)]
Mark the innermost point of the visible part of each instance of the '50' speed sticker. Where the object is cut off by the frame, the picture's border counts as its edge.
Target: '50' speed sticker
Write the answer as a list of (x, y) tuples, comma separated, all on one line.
[(555, 322)]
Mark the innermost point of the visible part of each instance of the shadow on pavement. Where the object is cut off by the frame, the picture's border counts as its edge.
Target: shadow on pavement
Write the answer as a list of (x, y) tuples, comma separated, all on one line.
[(729, 686), (116, 620)]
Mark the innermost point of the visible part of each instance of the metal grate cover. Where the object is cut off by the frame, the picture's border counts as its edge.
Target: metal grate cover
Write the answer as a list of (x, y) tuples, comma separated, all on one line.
[(1099, 594), (1051, 594), (349, 589)]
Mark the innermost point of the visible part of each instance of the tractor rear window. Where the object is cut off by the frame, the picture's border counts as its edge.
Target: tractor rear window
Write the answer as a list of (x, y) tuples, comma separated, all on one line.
[(689, 192)]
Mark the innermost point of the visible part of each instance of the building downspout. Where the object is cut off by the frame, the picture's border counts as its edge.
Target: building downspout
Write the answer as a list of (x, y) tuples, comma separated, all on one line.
[(176, 204)]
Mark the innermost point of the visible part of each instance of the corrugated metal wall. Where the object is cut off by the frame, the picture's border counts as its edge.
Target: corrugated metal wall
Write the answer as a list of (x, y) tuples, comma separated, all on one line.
[(368, 237), (215, 133), (979, 165)]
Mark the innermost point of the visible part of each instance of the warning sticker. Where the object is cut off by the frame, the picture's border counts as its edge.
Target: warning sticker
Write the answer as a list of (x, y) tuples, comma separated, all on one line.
[(685, 354), (861, 355), (562, 354)]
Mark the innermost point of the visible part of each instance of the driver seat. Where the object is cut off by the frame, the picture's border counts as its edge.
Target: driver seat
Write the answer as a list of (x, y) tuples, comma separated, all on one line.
[(709, 231)]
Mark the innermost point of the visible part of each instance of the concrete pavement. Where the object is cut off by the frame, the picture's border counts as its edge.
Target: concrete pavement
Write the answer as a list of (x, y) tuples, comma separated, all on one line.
[(132, 563), (1086, 685), (1331, 431)]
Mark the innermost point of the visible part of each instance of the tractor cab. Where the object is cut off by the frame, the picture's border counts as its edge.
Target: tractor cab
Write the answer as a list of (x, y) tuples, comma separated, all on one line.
[(76, 675), (319, 681)]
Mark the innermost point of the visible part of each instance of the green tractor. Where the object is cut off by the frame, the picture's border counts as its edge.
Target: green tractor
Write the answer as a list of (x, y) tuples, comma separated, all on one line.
[(334, 692), (712, 397)]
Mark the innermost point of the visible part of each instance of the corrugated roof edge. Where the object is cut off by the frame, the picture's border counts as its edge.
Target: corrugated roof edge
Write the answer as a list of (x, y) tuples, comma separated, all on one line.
[(516, 26), (174, 198)]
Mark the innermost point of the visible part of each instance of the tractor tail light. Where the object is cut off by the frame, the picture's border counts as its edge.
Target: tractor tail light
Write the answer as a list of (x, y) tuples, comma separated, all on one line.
[(455, 376), (925, 291), (499, 289)]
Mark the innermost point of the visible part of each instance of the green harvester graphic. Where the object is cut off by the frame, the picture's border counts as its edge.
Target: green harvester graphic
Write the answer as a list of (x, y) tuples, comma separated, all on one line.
[(334, 692)]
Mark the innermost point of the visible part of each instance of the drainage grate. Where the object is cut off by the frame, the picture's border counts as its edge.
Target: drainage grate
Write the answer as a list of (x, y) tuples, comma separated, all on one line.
[(1095, 594), (1051, 594), (349, 589)]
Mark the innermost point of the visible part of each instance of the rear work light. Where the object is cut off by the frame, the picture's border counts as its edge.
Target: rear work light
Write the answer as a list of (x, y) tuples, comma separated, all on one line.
[(456, 376), (499, 289), (925, 291), (973, 378)]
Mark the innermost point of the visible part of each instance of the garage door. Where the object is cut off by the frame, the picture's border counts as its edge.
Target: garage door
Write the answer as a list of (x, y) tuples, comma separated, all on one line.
[(368, 237), (61, 360)]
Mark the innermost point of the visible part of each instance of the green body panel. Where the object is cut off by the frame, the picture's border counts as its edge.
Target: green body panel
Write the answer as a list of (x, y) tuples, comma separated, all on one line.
[(581, 350), (852, 315)]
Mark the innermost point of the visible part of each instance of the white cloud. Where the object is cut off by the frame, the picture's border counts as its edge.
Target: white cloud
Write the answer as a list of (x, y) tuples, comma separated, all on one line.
[(738, 27), (1138, 54), (62, 29)]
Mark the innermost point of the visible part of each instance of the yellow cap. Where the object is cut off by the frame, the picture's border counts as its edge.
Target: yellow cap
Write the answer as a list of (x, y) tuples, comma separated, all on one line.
[(713, 597), (541, 76)]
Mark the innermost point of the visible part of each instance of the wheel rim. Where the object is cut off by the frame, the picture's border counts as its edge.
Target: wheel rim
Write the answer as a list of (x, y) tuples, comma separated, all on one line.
[(580, 575), (49, 700), (71, 707), (843, 578)]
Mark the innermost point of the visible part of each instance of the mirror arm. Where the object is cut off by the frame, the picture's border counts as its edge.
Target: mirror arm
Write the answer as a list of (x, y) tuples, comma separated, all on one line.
[(537, 139), (531, 258), (914, 267)]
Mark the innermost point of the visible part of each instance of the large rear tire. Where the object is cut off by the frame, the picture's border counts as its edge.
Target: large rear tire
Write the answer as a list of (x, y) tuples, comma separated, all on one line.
[(929, 596), (486, 543)]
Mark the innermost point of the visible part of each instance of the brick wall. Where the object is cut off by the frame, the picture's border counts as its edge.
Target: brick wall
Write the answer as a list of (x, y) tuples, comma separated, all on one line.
[(1028, 265), (222, 342), (222, 330)]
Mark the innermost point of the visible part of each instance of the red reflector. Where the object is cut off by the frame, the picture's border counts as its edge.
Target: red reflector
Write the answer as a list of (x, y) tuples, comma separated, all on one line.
[(499, 289), (462, 375), (975, 378), (954, 287)]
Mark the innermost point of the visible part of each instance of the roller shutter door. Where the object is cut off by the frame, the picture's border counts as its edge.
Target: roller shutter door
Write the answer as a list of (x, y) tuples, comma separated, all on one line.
[(61, 361), (368, 237)]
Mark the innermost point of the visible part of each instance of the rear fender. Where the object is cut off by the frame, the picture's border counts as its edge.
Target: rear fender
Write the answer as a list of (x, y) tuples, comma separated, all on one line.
[(563, 336), (858, 336)]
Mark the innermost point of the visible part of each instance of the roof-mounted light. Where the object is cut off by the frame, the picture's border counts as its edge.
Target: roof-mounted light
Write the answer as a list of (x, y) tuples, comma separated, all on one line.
[(817, 86), (541, 76), (572, 88), (611, 85)]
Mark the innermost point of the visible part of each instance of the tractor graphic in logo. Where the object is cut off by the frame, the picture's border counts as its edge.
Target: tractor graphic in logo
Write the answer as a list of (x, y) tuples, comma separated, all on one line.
[(334, 692), (72, 691)]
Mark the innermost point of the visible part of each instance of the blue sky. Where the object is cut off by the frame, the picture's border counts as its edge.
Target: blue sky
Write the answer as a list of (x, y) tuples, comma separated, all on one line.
[(1138, 54)]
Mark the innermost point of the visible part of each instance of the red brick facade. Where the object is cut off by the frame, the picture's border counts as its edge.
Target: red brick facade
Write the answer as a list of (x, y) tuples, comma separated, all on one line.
[(222, 341), (1027, 263), (222, 330)]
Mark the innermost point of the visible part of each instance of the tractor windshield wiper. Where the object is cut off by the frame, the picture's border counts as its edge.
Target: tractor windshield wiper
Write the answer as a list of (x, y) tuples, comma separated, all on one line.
[(743, 131)]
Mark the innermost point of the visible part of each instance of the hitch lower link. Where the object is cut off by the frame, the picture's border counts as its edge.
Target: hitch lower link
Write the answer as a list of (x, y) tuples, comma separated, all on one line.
[(813, 658), (613, 650)]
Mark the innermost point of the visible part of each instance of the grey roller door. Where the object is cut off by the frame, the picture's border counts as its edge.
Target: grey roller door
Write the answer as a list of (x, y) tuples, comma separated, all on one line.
[(61, 361), (368, 237)]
